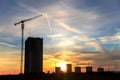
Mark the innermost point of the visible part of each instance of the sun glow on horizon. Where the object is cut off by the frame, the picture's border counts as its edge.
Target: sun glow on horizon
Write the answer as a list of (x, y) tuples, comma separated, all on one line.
[(62, 65)]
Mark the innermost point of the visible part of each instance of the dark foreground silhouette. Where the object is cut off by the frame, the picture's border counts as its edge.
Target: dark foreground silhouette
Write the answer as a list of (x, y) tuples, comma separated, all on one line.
[(64, 76)]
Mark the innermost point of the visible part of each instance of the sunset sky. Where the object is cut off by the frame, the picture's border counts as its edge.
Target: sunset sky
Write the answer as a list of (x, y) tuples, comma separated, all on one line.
[(74, 31)]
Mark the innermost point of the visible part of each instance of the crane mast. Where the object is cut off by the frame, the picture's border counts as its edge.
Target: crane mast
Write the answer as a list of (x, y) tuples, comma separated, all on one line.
[(22, 38)]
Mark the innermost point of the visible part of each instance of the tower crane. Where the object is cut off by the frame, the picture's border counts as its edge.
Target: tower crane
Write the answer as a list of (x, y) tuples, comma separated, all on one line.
[(22, 38)]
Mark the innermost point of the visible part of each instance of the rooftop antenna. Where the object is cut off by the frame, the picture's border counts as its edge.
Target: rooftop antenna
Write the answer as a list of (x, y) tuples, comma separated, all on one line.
[(22, 38)]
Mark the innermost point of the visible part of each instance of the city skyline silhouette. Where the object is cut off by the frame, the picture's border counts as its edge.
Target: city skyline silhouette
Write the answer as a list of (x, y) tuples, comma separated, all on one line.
[(78, 32)]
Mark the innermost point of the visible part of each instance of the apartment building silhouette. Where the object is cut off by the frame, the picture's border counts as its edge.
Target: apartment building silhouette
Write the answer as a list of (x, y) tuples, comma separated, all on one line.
[(33, 55)]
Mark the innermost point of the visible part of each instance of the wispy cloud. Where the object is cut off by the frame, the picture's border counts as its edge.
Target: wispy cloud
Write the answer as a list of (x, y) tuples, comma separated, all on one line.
[(29, 8), (110, 39), (6, 44)]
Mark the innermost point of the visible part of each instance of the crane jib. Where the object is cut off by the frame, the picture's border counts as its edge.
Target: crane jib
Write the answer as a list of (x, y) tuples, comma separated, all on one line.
[(22, 21)]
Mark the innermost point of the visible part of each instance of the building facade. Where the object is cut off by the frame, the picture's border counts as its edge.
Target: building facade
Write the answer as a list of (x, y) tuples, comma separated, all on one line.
[(69, 68), (33, 55), (77, 69), (57, 70), (89, 69), (100, 69)]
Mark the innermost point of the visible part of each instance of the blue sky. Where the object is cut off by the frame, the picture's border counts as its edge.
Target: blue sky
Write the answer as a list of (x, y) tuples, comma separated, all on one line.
[(72, 28)]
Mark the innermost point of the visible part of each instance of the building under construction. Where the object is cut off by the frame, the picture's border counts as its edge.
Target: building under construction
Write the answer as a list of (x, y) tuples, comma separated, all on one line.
[(33, 55)]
